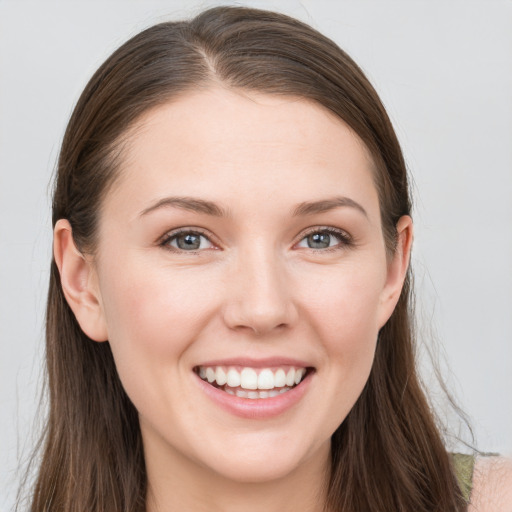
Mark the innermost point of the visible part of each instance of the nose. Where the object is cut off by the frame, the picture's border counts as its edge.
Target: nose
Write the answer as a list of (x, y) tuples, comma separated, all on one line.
[(259, 295)]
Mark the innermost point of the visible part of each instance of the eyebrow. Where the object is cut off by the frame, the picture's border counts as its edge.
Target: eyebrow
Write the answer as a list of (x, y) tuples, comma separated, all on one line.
[(313, 207), (188, 203), (211, 208)]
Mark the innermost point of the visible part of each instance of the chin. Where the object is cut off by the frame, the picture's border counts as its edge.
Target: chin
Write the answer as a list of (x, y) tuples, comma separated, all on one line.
[(266, 461), (257, 470)]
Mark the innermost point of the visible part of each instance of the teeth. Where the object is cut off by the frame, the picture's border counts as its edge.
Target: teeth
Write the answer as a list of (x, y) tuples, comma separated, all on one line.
[(280, 379), (249, 379), (220, 376), (267, 379), (290, 377), (299, 374), (210, 374), (253, 395), (233, 378)]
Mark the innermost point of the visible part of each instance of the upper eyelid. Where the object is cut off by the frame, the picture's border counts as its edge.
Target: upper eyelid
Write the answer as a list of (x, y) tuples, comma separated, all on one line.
[(330, 229), (178, 231)]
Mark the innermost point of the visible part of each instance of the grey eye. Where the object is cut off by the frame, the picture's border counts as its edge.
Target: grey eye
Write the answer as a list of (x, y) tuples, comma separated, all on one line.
[(326, 238), (189, 241), (319, 240)]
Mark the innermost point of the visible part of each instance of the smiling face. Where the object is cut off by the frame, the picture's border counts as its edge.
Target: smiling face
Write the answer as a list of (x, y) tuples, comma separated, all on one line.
[(242, 241)]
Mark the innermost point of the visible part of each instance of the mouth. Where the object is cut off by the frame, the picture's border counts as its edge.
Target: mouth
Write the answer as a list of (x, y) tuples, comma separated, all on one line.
[(253, 383)]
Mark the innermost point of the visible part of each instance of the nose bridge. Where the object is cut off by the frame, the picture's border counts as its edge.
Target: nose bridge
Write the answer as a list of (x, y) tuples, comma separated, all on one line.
[(259, 297)]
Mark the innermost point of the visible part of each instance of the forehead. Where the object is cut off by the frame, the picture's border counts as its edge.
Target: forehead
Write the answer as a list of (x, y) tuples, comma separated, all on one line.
[(227, 143)]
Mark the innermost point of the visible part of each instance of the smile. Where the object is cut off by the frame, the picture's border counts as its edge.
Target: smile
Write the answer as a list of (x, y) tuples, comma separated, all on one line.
[(252, 383)]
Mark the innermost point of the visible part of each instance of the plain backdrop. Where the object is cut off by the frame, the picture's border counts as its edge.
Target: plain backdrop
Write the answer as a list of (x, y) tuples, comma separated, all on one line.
[(444, 72)]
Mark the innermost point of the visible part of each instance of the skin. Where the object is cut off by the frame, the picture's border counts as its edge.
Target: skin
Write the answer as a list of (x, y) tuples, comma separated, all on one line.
[(254, 289), (492, 485)]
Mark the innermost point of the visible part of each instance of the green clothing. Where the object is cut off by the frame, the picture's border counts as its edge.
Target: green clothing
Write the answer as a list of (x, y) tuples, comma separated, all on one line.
[(464, 465)]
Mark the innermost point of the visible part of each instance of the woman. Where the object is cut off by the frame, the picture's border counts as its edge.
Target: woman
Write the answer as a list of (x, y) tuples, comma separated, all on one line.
[(228, 322)]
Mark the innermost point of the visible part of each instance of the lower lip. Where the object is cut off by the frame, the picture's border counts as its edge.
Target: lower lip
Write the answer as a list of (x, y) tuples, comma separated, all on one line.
[(258, 408)]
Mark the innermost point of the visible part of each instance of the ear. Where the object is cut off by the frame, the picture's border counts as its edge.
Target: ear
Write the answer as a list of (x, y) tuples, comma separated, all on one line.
[(397, 269), (79, 282)]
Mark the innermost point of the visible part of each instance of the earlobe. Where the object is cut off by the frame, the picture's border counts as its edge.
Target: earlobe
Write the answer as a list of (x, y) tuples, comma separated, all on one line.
[(397, 268), (78, 283)]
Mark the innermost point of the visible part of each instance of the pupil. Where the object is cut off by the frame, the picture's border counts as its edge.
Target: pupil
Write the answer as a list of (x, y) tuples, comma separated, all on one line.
[(319, 240), (189, 242)]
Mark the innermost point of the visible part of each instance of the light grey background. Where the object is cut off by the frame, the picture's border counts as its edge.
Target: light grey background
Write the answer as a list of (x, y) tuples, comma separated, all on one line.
[(444, 71)]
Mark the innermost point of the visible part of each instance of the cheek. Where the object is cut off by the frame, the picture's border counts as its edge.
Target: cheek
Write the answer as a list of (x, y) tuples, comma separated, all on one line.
[(340, 311), (152, 316), (350, 333), (344, 303), (345, 314)]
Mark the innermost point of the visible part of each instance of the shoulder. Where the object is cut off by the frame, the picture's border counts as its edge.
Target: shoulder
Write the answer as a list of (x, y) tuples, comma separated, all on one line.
[(492, 485)]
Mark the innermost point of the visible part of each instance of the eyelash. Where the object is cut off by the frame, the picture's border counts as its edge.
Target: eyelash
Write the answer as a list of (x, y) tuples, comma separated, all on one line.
[(169, 237), (345, 240)]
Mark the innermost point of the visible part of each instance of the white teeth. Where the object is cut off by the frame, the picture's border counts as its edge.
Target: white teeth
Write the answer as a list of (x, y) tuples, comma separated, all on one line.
[(266, 379), (249, 379), (220, 376), (290, 377), (233, 378), (210, 374), (279, 379), (242, 393), (299, 374)]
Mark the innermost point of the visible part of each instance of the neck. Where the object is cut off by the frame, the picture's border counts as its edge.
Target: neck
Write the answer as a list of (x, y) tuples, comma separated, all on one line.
[(177, 483)]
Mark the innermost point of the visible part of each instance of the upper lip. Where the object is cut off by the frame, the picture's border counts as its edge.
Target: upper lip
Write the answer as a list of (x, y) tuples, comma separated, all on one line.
[(257, 363)]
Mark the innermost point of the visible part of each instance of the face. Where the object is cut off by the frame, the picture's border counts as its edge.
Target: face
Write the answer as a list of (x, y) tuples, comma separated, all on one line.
[(241, 252)]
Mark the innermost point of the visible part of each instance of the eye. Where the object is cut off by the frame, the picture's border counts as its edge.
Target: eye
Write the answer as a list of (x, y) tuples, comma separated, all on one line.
[(187, 241), (325, 238)]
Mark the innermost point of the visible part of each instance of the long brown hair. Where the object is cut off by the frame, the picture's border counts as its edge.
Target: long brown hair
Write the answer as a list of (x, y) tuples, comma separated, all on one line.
[(388, 454)]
